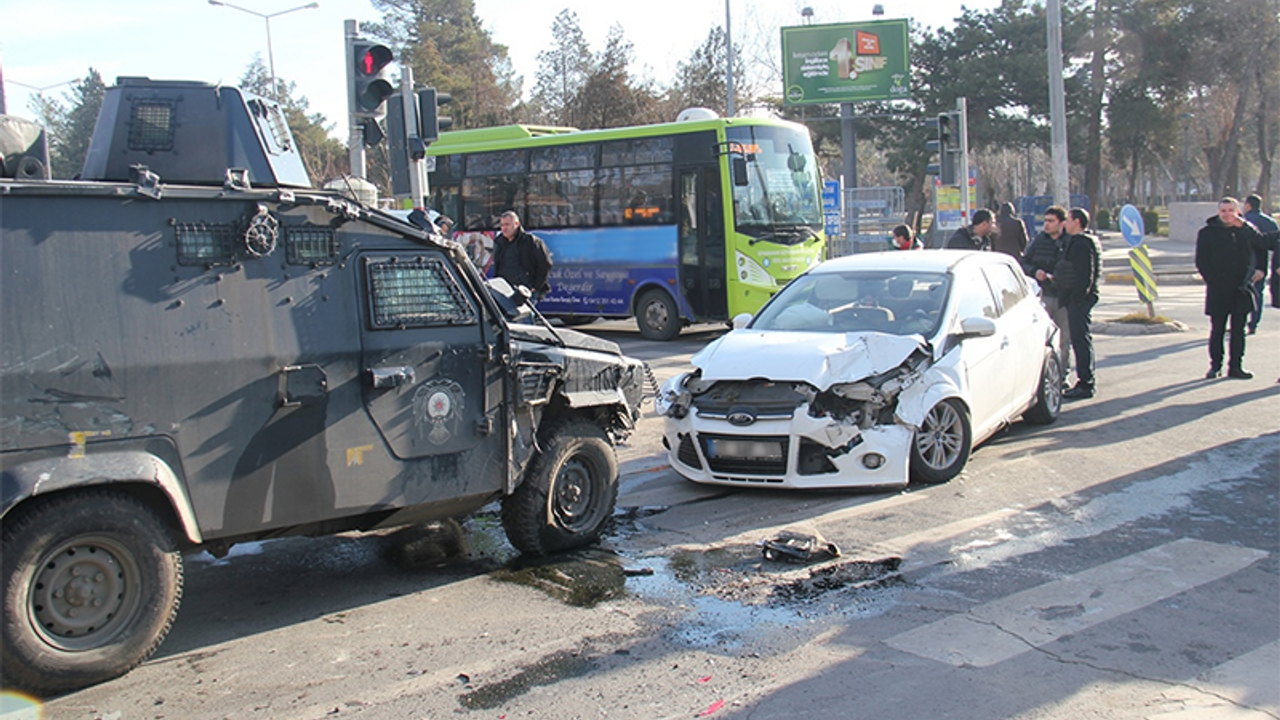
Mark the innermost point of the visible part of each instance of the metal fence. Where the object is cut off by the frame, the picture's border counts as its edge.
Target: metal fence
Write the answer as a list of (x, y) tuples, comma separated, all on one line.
[(870, 215)]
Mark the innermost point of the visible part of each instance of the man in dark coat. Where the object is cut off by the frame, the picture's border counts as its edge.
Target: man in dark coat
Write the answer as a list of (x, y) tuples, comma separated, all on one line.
[(1077, 276), (973, 237), (1264, 224), (521, 258), (1038, 261), (1011, 233), (1226, 260)]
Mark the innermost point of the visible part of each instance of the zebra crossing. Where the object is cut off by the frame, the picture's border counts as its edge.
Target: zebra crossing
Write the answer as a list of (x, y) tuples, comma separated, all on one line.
[(1005, 628)]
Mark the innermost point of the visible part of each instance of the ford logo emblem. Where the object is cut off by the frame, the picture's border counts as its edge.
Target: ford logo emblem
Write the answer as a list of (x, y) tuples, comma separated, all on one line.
[(741, 417)]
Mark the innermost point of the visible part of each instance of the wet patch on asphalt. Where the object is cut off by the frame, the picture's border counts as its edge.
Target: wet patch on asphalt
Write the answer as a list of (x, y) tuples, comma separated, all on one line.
[(546, 671)]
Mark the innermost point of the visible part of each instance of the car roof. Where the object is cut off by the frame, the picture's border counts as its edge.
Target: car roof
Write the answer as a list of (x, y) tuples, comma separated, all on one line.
[(939, 261)]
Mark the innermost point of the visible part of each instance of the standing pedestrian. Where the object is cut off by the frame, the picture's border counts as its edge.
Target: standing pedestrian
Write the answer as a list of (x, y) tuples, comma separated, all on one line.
[(973, 237), (520, 258), (1011, 233), (904, 239), (1079, 271), (1038, 261), (1264, 224), (1226, 260)]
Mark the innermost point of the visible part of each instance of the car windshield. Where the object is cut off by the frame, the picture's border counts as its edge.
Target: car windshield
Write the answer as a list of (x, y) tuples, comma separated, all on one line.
[(899, 303), (781, 201)]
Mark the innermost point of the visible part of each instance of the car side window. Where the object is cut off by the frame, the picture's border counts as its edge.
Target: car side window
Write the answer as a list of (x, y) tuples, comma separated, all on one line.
[(973, 294), (1008, 288)]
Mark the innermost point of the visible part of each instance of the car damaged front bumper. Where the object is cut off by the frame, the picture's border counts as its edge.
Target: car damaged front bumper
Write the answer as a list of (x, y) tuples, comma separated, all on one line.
[(856, 435)]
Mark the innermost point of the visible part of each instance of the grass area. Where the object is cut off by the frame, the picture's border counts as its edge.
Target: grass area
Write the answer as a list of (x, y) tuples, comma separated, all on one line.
[(1142, 319)]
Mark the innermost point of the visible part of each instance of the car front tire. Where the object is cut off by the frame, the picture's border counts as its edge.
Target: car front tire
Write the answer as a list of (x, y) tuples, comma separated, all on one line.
[(941, 446)]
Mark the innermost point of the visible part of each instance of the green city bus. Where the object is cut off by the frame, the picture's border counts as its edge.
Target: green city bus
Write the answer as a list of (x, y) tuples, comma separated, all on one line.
[(693, 221)]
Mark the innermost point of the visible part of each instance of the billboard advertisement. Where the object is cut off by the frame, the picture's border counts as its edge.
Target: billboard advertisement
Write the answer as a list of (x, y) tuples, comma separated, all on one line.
[(846, 62)]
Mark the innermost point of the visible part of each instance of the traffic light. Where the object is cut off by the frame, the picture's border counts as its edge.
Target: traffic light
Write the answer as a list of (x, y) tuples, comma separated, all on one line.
[(430, 121), (945, 145), (369, 62)]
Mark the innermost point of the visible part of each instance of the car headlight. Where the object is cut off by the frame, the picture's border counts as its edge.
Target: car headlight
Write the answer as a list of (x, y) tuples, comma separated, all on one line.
[(673, 399)]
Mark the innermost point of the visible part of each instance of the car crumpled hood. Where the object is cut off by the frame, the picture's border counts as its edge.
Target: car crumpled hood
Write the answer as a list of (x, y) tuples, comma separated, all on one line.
[(820, 359)]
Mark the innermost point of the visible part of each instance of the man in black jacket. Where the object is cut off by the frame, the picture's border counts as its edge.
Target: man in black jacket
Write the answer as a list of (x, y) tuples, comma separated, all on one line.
[(521, 258), (1077, 276), (973, 237), (1226, 260), (1038, 261)]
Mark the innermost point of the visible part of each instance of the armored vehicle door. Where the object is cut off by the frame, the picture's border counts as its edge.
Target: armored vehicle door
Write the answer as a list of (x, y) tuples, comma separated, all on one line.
[(428, 382)]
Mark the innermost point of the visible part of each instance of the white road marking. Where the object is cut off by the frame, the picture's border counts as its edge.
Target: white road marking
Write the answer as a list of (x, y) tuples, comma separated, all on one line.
[(1005, 628), (1245, 688)]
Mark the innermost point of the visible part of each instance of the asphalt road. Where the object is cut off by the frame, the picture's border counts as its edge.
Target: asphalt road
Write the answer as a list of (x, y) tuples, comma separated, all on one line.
[(1120, 563)]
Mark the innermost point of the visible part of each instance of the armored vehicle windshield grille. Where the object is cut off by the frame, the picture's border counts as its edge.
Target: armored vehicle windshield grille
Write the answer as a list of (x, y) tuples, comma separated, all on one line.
[(205, 244), (151, 125), (311, 245), (416, 294)]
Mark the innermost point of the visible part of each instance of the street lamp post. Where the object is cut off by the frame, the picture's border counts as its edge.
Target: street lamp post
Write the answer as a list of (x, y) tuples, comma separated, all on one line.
[(40, 95), (271, 60)]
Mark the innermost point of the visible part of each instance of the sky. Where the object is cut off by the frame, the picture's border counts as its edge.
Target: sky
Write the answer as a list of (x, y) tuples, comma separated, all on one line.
[(192, 40)]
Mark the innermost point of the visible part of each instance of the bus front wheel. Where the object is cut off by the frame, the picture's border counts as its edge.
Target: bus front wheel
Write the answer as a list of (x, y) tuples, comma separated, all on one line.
[(657, 316)]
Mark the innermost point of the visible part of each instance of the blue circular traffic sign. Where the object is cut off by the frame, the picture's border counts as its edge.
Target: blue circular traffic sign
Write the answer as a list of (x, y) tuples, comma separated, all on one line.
[(1131, 226)]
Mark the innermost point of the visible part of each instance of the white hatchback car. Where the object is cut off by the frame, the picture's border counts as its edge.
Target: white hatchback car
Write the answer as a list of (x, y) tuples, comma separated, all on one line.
[(867, 371)]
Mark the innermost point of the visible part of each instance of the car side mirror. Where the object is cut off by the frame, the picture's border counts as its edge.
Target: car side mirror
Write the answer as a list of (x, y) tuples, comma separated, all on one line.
[(977, 327), (741, 320), (739, 166)]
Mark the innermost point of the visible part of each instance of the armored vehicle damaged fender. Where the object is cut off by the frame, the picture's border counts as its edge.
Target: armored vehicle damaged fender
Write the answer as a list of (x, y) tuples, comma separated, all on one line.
[(231, 356)]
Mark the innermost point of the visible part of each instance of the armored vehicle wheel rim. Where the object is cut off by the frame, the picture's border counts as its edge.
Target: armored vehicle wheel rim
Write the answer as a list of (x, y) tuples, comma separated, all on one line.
[(576, 490), (84, 592), (941, 437)]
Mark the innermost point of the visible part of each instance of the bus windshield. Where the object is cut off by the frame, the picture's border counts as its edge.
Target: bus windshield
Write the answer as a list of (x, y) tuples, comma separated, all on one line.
[(781, 202)]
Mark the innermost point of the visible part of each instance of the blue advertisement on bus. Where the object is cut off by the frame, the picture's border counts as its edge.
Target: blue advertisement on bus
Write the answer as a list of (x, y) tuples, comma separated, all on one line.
[(596, 271)]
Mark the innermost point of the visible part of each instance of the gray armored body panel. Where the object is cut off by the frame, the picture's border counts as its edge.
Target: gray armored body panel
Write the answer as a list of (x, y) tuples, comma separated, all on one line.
[(198, 349)]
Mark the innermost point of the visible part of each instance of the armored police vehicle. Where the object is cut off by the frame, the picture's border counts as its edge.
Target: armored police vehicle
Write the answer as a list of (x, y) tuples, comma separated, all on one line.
[(199, 349)]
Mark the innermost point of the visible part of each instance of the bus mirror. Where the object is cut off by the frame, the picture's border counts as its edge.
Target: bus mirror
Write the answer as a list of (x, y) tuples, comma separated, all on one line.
[(795, 163), (739, 166)]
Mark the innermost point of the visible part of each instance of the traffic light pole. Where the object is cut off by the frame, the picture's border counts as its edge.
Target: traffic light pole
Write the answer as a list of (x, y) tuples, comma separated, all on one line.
[(355, 134), (417, 166)]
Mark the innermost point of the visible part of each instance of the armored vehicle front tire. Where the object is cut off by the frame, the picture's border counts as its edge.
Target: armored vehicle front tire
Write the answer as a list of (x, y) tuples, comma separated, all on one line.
[(92, 582), (568, 493)]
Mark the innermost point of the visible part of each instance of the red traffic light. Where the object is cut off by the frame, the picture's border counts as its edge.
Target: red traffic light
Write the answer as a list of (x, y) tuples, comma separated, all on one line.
[(373, 59), (369, 85)]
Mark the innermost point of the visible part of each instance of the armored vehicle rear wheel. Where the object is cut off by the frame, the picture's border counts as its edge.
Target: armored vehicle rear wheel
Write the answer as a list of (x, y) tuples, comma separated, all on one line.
[(91, 585), (568, 492)]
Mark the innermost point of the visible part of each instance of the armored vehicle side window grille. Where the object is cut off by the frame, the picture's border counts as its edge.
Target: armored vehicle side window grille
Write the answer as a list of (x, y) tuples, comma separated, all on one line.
[(416, 293), (151, 125), (311, 245), (205, 244), (272, 124)]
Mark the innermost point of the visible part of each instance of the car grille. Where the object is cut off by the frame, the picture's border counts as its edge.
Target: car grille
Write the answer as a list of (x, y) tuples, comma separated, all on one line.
[(765, 398), (751, 460)]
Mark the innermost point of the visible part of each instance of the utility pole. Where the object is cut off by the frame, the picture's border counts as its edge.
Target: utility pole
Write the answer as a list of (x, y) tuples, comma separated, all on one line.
[(962, 168), (728, 61), (1060, 181)]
